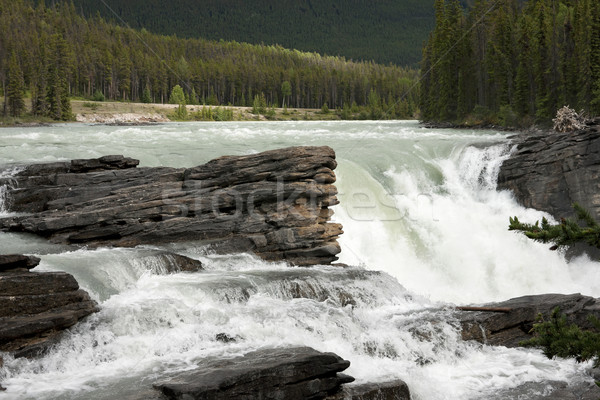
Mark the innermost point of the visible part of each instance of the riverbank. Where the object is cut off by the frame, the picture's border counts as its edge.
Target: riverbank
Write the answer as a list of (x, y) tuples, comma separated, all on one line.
[(109, 112)]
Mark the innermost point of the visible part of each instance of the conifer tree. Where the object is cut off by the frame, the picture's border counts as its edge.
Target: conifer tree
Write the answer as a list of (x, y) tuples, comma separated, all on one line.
[(16, 85), (566, 233)]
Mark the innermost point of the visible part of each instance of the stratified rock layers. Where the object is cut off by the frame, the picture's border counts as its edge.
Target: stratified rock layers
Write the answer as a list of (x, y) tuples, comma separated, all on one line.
[(36, 306), (551, 171), (275, 203)]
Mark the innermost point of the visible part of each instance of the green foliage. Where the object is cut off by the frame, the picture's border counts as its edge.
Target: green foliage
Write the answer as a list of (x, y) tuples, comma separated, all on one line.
[(259, 105), (98, 96), (218, 114), (567, 233), (146, 95), (558, 338), (66, 55), (356, 30), (520, 60), (286, 90), (177, 96), (93, 106), (325, 108), (15, 90)]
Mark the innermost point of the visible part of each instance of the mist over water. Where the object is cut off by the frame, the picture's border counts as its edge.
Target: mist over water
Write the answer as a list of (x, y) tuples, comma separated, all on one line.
[(424, 229)]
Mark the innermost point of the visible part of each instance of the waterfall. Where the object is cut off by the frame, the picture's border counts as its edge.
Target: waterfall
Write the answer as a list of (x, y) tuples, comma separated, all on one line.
[(424, 229)]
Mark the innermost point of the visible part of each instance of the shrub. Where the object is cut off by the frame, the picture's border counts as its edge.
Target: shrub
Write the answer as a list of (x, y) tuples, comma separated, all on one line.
[(98, 96)]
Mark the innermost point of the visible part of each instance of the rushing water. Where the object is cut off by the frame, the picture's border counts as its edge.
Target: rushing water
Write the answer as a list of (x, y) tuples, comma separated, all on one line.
[(424, 227)]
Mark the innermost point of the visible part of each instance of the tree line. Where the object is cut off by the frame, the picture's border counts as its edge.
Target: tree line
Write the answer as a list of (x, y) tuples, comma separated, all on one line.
[(52, 52), (511, 62)]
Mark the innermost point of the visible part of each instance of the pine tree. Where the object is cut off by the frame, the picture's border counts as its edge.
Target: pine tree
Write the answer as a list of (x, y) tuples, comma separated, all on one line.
[(147, 95), (59, 104), (565, 234), (16, 85)]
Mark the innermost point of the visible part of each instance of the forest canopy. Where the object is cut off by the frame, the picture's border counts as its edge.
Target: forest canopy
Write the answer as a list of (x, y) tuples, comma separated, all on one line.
[(511, 62), (59, 54), (385, 31)]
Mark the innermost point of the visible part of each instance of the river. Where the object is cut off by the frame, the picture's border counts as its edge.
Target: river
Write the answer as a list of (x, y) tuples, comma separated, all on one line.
[(425, 229)]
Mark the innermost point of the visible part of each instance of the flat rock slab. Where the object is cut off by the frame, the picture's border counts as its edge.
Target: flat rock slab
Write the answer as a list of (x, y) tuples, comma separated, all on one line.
[(275, 203), (293, 373), (514, 319)]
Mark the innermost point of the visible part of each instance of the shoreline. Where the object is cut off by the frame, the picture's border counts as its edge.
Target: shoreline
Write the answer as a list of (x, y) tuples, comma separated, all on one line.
[(124, 113)]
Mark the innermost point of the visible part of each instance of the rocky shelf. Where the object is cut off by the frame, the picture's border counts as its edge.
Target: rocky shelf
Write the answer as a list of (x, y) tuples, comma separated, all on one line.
[(35, 307), (550, 171), (509, 322), (275, 203)]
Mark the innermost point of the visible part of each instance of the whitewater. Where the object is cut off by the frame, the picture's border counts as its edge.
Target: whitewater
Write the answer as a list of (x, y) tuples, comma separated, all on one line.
[(425, 229)]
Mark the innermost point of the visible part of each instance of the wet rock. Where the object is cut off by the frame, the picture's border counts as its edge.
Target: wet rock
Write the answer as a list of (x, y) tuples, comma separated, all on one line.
[(512, 325), (36, 307), (166, 262), (293, 373), (225, 338), (275, 204), (393, 390), (17, 261), (550, 171)]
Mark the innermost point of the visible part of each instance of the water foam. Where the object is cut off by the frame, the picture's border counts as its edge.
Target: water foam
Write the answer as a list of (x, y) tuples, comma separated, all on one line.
[(451, 241)]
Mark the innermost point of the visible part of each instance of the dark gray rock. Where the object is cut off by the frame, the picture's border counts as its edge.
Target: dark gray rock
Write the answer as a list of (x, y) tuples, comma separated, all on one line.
[(36, 307), (510, 328), (293, 373), (173, 263), (275, 204), (392, 390), (550, 171), (17, 261)]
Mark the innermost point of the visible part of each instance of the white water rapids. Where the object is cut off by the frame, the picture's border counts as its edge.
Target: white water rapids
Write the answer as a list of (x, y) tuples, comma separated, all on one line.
[(424, 226)]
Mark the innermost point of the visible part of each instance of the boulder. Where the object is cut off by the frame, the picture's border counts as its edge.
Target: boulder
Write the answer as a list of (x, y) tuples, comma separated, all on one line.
[(275, 204), (166, 262), (36, 307), (550, 171), (509, 322), (292, 373)]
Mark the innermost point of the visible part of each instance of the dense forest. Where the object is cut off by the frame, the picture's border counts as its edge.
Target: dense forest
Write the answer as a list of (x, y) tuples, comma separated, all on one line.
[(510, 62), (383, 31), (54, 53)]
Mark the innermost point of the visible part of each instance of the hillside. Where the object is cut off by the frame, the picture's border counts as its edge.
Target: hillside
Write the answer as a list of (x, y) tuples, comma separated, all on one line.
[(386, 31), (54, 53)]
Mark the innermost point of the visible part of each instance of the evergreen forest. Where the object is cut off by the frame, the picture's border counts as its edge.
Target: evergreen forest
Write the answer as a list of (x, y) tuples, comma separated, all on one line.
[(511, 62), (385, 31), (49, 53)]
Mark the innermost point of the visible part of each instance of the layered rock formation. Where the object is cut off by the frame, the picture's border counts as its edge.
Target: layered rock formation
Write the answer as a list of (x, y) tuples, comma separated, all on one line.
[(509, 322), (36, 307), (275, 203), (550, 171), (293, 373)]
